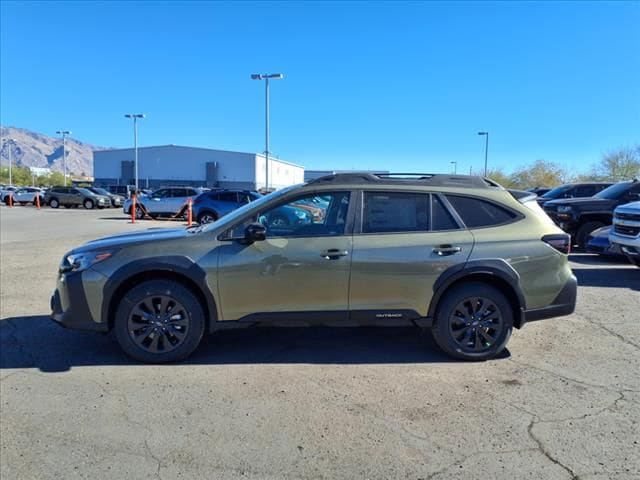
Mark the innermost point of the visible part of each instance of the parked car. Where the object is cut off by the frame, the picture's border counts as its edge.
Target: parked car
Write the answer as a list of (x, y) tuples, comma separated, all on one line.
[(457, 254), (6, 191), (581, 216), (573, 190), (165, 202), (74, 196), (598, 242), (211, 205), (123, 190), (626, 231), (539, 190), (116, 200), (25, 195)]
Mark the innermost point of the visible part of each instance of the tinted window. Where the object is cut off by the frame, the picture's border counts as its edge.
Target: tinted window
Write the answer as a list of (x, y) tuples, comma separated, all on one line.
[(228, 197), (557, 192), (477, 213), (441, 219), (584, 191), (395, 212), (615, 191), (161, 193)]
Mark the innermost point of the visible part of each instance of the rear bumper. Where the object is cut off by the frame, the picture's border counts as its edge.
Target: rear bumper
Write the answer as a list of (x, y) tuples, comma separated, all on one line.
[(563, 304)]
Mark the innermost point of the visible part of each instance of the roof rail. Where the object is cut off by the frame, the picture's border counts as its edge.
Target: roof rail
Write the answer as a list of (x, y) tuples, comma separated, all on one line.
[(420, 179)]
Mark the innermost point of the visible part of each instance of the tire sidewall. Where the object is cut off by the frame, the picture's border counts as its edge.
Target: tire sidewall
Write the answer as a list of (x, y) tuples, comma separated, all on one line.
[(88, 204), (164, 287), (54, 203), (451, 299)]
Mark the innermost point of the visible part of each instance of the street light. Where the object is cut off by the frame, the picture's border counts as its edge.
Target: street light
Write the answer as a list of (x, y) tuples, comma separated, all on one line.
[(135, 117), (455, 167), (64, 134), (266, 77), (8, 141), (486, 149)]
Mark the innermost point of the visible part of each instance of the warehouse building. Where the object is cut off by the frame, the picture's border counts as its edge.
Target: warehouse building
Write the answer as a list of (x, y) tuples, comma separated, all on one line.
[(203, 167)]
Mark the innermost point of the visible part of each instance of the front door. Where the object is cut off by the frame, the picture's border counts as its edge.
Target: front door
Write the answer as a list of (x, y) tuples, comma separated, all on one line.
[(301, 268), (402, 243)]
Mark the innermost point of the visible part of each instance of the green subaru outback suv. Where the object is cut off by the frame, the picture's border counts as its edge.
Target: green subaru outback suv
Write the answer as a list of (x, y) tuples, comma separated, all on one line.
[(457, 254)]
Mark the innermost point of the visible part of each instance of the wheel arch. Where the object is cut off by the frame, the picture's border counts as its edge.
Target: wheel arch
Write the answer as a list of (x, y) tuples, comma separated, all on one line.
[(178, 269), (495, 272)]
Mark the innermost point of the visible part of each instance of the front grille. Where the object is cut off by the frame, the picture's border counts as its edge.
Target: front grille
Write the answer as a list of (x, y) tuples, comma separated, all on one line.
[(626, 230), (628, 216)]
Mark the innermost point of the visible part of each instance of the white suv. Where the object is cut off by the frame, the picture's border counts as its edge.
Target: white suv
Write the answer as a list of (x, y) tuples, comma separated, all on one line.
[(626, 230)]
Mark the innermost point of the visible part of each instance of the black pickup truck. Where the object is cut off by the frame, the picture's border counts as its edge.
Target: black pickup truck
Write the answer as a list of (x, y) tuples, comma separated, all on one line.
[(580, 216)]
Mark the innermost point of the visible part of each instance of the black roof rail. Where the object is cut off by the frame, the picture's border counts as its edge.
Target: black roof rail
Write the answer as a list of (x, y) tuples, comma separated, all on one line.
[(421, 179)]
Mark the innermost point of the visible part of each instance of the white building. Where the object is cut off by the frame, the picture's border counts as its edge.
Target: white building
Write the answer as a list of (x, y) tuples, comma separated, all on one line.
[(40, 171), (176, 165)]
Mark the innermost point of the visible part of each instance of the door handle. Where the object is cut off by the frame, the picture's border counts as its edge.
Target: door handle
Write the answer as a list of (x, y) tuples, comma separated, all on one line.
[(444, 250), (333, 254)]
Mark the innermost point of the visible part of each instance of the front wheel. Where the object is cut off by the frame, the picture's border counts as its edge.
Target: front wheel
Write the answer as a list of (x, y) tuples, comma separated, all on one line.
[(54, 203), (473, 322), (207, 217), (159, 321), (88, 204)]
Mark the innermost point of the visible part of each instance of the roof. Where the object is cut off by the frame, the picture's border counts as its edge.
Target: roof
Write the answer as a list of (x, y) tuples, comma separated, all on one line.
[(414, 179)]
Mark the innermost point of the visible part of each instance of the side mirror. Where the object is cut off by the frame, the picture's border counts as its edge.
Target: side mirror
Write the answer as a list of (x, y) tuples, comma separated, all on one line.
[(255, 232)]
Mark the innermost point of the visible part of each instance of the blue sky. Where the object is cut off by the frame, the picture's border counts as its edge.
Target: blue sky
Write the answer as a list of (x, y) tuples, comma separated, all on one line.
[(396, 86)]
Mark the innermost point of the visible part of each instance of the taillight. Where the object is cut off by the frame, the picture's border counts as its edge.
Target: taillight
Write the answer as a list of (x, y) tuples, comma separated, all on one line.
[(559, 241)]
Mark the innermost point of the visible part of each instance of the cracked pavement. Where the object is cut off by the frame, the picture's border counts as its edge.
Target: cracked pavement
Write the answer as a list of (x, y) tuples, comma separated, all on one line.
[(311, 403)]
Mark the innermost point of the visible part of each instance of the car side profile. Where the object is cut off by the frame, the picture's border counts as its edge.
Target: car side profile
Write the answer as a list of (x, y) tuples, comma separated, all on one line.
[(25, 195), (572, 190), (164, 202), (457, 254), (75, 196), (210, 206)]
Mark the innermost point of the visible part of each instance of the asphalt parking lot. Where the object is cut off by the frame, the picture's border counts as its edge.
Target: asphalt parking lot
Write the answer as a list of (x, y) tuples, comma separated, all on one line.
[(563, 403)]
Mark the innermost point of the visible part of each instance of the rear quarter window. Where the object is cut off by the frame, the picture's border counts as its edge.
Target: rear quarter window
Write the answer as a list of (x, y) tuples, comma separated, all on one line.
[(477, 213)]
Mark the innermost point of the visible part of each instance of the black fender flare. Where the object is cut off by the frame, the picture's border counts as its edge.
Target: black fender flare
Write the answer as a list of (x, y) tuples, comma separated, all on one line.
[(173, 264), (494, 267)]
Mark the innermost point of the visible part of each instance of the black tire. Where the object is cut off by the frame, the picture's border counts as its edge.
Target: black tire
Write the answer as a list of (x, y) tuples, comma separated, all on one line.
[(583, 233), (152, 294), (88, 204), (140, 213), (54, 203), (455, 322), (207, 217)]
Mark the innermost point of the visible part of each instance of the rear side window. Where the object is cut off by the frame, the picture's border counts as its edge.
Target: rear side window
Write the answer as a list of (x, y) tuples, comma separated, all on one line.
[(441, 219), (476, 213), (385, 212)]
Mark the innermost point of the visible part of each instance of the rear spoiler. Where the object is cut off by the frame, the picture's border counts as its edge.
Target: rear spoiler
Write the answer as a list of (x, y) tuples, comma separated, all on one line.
[(522, 196)]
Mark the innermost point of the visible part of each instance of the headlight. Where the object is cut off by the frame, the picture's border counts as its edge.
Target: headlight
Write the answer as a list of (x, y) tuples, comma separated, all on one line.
[(76, 262), (565, 209)]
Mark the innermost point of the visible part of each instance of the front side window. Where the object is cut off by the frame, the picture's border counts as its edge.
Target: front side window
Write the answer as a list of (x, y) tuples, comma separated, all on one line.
[(321, 214), (476, 213)]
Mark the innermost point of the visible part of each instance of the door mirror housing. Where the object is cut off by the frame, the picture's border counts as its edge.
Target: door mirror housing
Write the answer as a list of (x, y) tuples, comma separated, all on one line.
[(255, 232)]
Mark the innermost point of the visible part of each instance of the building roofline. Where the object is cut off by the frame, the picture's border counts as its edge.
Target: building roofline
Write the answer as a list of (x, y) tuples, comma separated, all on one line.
[(276, 159)]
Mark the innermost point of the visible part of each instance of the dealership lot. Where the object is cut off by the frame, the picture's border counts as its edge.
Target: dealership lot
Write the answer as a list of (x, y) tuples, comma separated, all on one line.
[(311, 403)]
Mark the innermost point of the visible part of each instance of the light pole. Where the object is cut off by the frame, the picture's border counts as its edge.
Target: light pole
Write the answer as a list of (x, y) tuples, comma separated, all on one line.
[(135, 117), (266, 77), (455, 167), (64, 134), (486, 149)]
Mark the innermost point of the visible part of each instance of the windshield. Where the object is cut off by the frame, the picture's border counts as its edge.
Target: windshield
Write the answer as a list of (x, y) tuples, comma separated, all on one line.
[(614, 191), (84, 191), (556, 192), (239, 213), (100, 191)]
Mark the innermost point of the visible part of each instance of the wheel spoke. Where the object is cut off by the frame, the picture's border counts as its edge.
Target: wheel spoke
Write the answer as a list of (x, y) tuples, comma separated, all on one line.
[(149, 316)]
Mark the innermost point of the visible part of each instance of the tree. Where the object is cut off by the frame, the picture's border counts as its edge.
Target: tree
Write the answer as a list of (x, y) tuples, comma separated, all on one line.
[(498, 176), (618, 165), (543, 173)]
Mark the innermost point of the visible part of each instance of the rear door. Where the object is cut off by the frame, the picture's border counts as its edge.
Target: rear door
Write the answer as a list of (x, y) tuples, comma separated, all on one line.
[(402, 243)]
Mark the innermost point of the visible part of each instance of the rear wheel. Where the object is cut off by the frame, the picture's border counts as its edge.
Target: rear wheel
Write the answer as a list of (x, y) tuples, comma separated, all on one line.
[(54, 203), (583, 233), (139, 212), (473, 322), (207, 217), (88, 204), (159, 321)]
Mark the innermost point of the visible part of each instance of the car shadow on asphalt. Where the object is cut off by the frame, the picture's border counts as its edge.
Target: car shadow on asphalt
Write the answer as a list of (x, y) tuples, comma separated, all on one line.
[(611, 277), (595, 259), (36, 342)]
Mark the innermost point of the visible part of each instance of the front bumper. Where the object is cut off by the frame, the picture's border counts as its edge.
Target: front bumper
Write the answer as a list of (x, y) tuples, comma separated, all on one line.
[(69, 307), (563, 304)]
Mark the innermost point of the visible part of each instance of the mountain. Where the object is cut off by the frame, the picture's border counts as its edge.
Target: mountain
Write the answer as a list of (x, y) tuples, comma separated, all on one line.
[(32, 149)]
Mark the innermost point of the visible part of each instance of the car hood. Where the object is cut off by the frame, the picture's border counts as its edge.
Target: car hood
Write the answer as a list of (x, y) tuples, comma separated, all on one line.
[(124, 239), (581, 202), (633, 207)]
